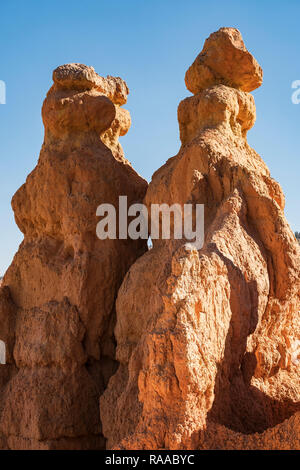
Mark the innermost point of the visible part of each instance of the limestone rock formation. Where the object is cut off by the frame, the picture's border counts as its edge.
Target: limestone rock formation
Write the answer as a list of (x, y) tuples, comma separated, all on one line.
[(57, 299), (208, 340)]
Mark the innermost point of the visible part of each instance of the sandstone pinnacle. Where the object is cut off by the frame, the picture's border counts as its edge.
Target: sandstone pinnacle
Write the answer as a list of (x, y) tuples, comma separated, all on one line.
[(57, 299), (183, 348), (208, 340)]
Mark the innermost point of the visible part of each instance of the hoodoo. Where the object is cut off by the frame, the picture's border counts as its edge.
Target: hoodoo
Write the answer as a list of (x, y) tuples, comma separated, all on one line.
[(208, 340), (184, 348), (57, 300)]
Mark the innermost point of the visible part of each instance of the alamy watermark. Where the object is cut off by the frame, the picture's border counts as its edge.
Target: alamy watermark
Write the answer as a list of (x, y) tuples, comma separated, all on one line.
[(296, 93), (2, 352), (166, 222), (2, 92)]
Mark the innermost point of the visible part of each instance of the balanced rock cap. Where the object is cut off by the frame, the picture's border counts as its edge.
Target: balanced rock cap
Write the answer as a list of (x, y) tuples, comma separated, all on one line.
[(81, 77), (225, 60)]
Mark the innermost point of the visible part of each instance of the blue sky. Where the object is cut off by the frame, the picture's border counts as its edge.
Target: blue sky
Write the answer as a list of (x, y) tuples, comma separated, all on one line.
[(150, 44)]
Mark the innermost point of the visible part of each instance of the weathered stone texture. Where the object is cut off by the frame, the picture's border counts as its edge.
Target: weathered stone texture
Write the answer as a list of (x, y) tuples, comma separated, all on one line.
[(208, 340), (57, 299)]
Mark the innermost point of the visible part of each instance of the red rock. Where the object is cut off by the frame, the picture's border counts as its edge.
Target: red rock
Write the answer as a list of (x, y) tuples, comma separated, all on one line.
[(208, 340), (57, 300), (224, 59)]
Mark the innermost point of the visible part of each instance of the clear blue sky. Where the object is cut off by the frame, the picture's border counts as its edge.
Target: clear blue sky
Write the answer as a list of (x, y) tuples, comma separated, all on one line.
[(150, 44)]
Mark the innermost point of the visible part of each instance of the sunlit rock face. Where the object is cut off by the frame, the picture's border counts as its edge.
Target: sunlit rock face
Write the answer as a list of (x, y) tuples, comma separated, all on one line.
[(183, 348), (208, 340), (57, 299)]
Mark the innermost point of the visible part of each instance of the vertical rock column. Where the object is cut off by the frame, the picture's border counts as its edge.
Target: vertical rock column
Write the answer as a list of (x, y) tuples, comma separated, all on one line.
[(207, 339), (57, 300)]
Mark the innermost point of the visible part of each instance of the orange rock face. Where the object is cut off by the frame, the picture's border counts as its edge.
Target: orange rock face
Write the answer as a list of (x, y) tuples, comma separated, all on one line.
[(208, 341), (191, 349), (57, 299), (224, 59)]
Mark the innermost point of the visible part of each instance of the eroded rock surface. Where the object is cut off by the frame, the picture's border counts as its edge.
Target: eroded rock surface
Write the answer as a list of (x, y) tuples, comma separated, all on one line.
[(57, 299), (208, 340)]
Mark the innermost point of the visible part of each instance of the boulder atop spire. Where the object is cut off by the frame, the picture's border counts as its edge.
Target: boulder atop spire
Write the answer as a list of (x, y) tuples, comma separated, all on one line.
[(82, 77), (225, 60)]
